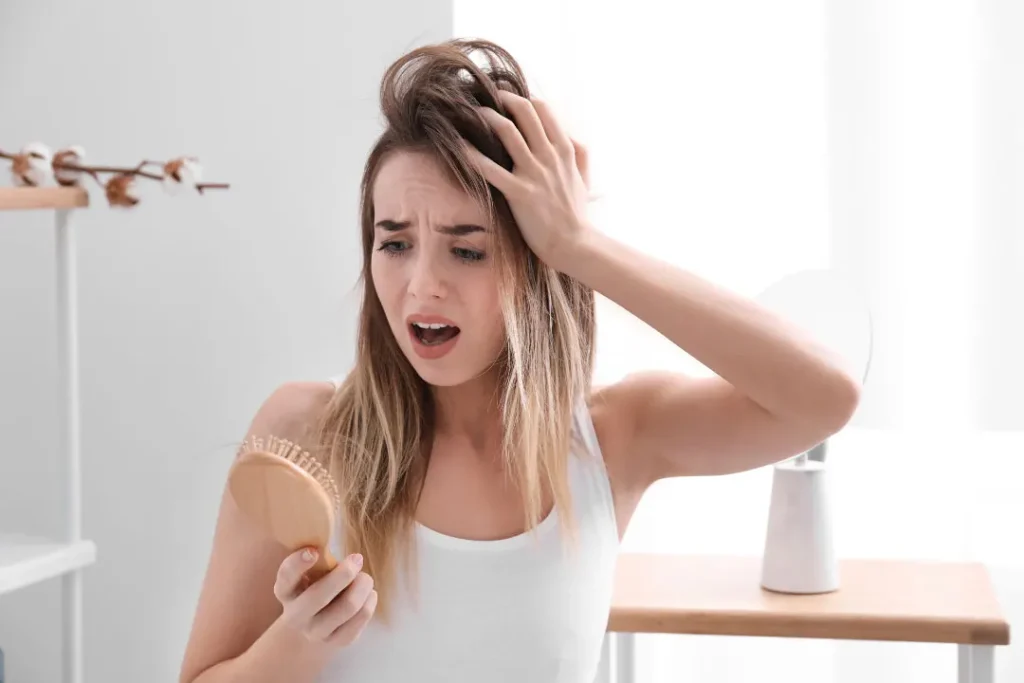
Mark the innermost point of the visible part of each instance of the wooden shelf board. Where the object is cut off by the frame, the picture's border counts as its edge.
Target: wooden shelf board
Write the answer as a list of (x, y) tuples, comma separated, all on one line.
[(27, 560), (24, 198)]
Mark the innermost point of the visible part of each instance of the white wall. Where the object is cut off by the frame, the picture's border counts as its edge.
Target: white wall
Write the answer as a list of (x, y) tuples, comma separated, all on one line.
[(192, 309)]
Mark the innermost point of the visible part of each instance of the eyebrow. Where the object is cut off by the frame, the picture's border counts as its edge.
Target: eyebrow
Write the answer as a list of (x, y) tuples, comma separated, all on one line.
[(457, 230)]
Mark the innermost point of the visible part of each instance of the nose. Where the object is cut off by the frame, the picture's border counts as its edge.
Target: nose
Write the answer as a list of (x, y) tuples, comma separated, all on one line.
[(427, 280)]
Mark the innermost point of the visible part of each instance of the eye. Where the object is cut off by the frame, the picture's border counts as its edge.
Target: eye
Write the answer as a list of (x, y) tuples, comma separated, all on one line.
[(468, 254), (393, 247)]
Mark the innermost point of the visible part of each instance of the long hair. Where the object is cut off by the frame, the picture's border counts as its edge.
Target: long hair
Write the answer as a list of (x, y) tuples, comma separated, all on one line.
[(376, 433)]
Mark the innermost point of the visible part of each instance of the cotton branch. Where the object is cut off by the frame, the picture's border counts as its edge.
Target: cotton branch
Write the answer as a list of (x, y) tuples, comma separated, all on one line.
[(35, 166)]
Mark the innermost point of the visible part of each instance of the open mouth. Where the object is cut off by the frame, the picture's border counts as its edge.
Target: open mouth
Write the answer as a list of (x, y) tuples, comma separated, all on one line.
[(434, 334)]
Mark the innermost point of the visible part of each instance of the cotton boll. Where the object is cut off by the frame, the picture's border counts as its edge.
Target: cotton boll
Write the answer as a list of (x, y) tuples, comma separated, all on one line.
[(181, 172), (71, 155), (32, 166), (121, 190)]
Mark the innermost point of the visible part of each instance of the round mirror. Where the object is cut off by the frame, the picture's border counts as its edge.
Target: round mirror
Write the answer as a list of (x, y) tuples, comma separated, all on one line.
[(831, 310)]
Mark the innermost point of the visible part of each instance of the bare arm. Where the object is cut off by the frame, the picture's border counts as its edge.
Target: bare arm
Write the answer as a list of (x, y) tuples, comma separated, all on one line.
[(237, 632), (776, 392)]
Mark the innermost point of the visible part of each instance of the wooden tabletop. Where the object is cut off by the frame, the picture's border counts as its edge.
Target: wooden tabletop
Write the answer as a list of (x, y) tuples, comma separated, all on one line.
[(902, 600)]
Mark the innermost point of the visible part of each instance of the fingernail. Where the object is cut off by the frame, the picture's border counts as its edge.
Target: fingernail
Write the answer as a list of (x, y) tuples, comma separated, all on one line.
[(357, 560), (308, 555)]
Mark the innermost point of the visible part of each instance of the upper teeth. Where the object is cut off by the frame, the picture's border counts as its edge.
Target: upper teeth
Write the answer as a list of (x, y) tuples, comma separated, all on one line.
[(430, 326)]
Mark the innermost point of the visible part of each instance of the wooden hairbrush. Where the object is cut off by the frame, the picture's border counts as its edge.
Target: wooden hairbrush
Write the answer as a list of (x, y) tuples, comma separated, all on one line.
[(289, 493)]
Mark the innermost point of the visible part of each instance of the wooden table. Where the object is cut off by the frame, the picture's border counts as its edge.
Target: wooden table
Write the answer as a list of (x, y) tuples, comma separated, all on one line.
[(894, 600)]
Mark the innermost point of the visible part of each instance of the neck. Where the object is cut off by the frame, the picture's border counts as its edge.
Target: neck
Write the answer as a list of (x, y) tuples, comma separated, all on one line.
[(469, 411)]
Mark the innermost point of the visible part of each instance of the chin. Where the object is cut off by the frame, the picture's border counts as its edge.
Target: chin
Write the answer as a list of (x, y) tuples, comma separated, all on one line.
[(438, 374), (451, 370), (437, 377)]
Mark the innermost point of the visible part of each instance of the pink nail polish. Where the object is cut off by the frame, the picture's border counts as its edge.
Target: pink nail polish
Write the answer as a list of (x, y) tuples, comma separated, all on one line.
[(357, 560)]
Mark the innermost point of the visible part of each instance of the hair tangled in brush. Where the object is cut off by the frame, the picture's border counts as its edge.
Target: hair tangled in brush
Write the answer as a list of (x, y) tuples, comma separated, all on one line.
[(377, 432)]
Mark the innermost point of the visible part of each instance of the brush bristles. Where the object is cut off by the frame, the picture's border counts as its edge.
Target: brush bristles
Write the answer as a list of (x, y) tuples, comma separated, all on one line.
[(294, 453)]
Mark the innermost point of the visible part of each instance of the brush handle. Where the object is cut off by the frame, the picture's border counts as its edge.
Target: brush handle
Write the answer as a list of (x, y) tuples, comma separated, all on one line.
[(325, 562)]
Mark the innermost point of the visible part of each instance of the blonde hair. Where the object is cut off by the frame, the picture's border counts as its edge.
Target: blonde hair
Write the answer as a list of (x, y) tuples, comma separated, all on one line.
[(376, 433)]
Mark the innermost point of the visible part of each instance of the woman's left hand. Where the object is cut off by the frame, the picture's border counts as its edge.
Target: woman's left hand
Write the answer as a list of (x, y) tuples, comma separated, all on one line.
[(548, 187)]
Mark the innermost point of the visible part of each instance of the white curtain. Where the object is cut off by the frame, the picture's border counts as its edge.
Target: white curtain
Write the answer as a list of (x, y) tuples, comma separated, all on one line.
[(745, 140)]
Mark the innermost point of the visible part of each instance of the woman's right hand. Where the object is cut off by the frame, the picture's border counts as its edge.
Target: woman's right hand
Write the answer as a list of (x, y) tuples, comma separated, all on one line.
[(332, 610)]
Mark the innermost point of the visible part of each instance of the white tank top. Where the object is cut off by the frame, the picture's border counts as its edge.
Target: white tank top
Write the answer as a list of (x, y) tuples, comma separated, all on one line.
[(525, 609)]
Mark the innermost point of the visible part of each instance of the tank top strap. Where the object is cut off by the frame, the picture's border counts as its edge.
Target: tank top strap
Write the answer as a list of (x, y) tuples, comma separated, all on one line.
[(583, 424), (593, 488)]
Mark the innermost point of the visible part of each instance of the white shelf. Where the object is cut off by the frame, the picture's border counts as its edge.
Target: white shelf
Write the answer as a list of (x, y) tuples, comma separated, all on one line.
[(26, 560)]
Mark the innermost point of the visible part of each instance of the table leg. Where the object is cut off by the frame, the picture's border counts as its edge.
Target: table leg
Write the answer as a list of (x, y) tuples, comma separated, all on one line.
[(605, 673), (625, 658), (618, 659), (976, 664)]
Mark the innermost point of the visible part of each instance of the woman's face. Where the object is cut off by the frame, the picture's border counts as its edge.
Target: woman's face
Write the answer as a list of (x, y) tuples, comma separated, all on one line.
[(433, 270)]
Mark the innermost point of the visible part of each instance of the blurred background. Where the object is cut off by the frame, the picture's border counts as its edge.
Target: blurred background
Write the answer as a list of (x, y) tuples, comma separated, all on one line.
[(742, 140)]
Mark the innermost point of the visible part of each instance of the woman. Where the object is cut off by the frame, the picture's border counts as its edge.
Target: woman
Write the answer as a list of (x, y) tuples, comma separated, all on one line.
[(486, 486)]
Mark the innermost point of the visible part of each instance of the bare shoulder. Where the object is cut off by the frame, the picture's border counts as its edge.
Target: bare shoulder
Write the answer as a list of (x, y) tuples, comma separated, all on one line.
[(292, 408), (237, 602), (613, 427)]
